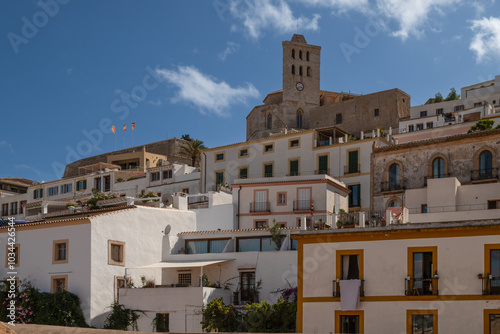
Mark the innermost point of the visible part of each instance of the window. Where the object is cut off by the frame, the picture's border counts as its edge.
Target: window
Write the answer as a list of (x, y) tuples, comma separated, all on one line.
[(21, 206), (66, 188), (300, 54), (494, 101), (116, 253), (81, 185), (59, 283), (438, 168), (338, 118), (491, 321), (294, 167), (420, 127), (422, 266), (120, 283), (421, 321), (494, 204), (268, 170), (294, 143), (394, 203), (323, 164), (423, 113), (309, 71), (293, 69), (53, 191), (349, 322), (423, 208), (12, 255), (162, 322), (411, 128), (13, 208), (492, 268), (243, 174), (355, 195), (5, 209), (37, 193), (269, 121), (184, 278), (60, 251), (97, 183), (377, 112), (477, 104), (281, 198), (429, 125), (353, 162), (439, 111), (259, 244), (247, 286), (261, 204), (268, 148), (206, 246), (243, 153), (300, 114), (155, 176), (219, 157), (260, 224), (394, 176), (293, 53), (167, 174), (300, 70), (485, 164), (459, 108), (107, 183), (307, 56), (185, 190), (219, 178)]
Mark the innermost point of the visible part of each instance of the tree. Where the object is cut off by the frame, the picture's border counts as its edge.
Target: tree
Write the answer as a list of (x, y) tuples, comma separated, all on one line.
[(186, 137), (438, 97), (483, 125), (452, 95), (193, 148)]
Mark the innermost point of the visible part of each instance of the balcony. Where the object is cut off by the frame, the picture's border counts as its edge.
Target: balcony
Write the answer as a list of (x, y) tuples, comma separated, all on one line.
[(352, 169), (491, 285), (392, 186), (336, 288), (484, 174), (421, 286), (260, 207), (302, 205), (322, 171)]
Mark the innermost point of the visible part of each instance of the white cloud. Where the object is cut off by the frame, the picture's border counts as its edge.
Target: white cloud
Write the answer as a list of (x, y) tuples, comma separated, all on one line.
[(4, 144), (69, 71), (486, 41), (156, 103), (341, 6), (231, 47), (275, 15), (204, 92)]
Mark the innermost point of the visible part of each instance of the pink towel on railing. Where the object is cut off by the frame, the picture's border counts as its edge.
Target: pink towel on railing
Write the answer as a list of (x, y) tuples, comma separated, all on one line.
[(349, 294)]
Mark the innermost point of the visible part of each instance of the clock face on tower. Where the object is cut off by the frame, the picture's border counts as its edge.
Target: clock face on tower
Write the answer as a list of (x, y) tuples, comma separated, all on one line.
[(299, 86)]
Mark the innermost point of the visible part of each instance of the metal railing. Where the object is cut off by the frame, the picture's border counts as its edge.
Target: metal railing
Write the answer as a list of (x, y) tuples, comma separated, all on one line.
[(484, 174), (421, 286), (491, 285), (450, 208), (352, 169), (293, 174), (336, 288), (302, 204), (260, 207), (322, 171), (392, 186)]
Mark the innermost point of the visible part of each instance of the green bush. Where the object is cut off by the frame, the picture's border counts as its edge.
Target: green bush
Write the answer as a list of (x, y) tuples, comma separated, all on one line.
[(121, 318)]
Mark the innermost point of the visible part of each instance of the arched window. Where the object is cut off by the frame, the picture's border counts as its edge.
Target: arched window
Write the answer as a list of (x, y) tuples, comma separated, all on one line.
[(293, 53), (394, 177), (300, 70), (300, 114), (485, 164), (309, 71), (300, 55), (438, 168), (307, 56), (293, 69), (269, 121), (394, 203)]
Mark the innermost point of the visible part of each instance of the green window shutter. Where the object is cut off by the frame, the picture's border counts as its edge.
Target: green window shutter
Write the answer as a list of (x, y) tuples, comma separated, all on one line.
[(77, 185), (323, 164), (34, 194), (84, 184), (353, 162), (243, 173), (41, 193), (268, 171), (294, 167)]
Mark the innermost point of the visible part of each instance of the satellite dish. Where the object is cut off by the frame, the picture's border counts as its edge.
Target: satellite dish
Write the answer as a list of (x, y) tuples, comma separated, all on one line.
[(167, 229), (167, 199)]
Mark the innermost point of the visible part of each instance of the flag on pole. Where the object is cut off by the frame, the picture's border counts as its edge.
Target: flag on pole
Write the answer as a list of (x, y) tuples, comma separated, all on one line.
[(124, 128), (113, 129), (312, 208), (133, 125)]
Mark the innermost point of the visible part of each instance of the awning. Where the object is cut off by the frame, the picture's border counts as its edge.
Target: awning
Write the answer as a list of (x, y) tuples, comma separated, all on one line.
[(184, 264)]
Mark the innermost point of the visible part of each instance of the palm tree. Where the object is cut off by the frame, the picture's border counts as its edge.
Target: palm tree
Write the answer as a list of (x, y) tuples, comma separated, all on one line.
[(193, 148)]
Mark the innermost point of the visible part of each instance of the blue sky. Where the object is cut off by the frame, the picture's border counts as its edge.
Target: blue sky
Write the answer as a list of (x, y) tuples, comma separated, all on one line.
[(70, 69)]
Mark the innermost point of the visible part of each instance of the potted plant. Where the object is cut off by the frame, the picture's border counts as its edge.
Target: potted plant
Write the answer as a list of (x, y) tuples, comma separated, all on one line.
[(480, 275)]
